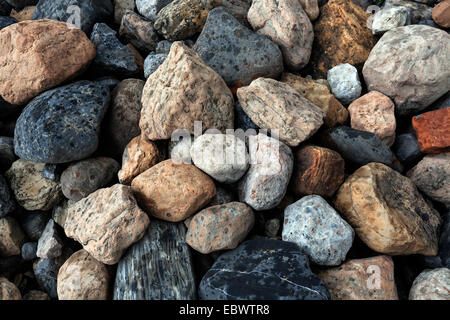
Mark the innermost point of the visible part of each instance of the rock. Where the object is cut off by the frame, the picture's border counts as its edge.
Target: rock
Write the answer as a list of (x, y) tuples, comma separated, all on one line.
[(113, 58), (286, 24), (432, 176), (222, 156), (220, 227), (362, 279), (7, 156), (52, 130), (138, 31), (441, 14), (34, 223), (387, 212), (82, 277), (181, 19), (31, 190), (173, 192), (419, 12), (8, 291), (5, 8), (344, 83), (121, 7), (51, 172), (318, 171), (406, 148), (59, 213), (150, 8), (36, 295), (275, 105), (7, 203), (82, 178), (390, 18), (90, 12), (180, 149), (318, 229), (29, 250), (50, 243), (235, 52), (242, 120), (341, 36), (238, 9), (388, 68), (30, 58), (24, 14), (163, 47), (433, 130), (152, 62), (265, 183), (11, 237), (431, 285), (320, 95), (183, 90), (158, 267), (311, 7), (374, 112), (138, 59), (262, 269), (6, 21), (139, 155)]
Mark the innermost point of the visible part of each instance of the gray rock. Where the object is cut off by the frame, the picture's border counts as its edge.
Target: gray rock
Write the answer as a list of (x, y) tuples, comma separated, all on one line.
[(7, 202), (163, 47), (419, 12), (29, 250), (50, 243), (242, 120), (390, 18), (344, 82), (318, 229), (6, 21), (7, 156), (150, 8), (138, 31), (431, 285), (152, 62), (158, 267)]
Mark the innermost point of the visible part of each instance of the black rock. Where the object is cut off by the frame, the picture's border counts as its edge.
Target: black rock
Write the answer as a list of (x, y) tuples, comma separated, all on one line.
[(29, 250), (20, 4), (6, 21), (62, 124), (158, 267), (7, 156), (91, 11), (243, 121), (113, 57), (7, 202), (444, 241), (263, 269), (406, 148), (5, 8), (33, 223)]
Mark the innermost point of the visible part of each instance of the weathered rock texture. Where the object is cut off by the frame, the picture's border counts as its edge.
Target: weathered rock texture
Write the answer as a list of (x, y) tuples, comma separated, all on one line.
[(441, 14), (431, 285), (11, 237), (433, 130), (8, 291)]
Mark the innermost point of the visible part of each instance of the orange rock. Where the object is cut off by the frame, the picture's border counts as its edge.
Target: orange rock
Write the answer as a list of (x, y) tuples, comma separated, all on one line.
[(433, 130), (441, 14)]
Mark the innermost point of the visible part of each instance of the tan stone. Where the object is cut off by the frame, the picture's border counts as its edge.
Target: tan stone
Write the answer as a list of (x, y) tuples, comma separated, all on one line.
[(106, 223), (82, 277), (173, 192), (183, 90), (8, 291), (30, 58), (387, 212), (318, 93), (311, 8), (441, 14), (275, 105), (139, 155), (431, 285), (11, 237), (24, 14), (362, 279), (374, 112)]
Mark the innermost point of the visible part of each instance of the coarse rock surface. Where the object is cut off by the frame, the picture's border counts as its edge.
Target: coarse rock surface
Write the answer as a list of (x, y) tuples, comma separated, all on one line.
[(441, 14), (431, 285), (50, 243), (8, 290), (311, 7), (59, 212), (152, 62), (138, 31), (344, 82), (150, 8), (7, 202), (121, 7), (11, 237), (24, 14), (433, 130), (390, 18)]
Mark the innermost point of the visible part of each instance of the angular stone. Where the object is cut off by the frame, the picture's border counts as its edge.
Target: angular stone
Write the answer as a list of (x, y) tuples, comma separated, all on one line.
[(286, 24), (265, 183), (152, 62), (158, 267), (275, 105), (106, 223), (7, 155), (28, 251), (318, 171), (31, 58), (8, 291), (235, 52), (362, 279), (138, 31), (431, 285), (50, 243), (11, 237), (388, 68), (387, 212), (441, 14), (31, 190), (344, 82), (121, 7), (183, 90), (433, 130), (406, 148), (390, 18), (6, 21), (7, 203), (63, 124), (262, 269), (173, 192), (82, 277)]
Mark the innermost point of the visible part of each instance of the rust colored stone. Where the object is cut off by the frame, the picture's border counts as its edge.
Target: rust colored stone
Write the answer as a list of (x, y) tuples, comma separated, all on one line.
[(433, 130)]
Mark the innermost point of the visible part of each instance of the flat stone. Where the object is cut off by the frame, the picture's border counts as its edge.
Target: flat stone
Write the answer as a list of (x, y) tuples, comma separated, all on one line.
[(6, 21), (121, 7), (151, 8), (390, 18), (158, 267), (344, 82), (433, 130), (152, 62), (406, 148), (138, 31), (8, 290), (441, 14), (387, 212), (431, 285), (11, 237), (29, 250), (7, 202), (262, 269), (50, 243)]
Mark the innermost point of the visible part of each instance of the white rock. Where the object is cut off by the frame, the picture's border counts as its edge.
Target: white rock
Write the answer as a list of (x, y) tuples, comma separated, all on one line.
[(390, 18), (344, 82), (180, 151)]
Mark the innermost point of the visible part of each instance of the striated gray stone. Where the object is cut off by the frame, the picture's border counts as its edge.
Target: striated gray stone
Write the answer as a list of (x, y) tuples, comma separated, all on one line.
[(390, 18), (344, 82), (152, 62), (431, 285), (50, 243)]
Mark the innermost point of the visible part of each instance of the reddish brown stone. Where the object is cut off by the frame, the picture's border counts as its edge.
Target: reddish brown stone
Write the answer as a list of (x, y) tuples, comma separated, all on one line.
[(433, 130), (441, 14), (319, 171)]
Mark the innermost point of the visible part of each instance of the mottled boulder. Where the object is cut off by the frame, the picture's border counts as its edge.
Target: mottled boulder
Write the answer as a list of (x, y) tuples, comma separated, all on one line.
[(31, 190), (387, 212), (106, 223), (121, 7), (431, 285), (183, 90), (63, 124), (151, 8), (265, 183), (8, 290), (433, 130), (6, 21), (7, 202), (390, 18), (138, 31), (344, 83), (158, 267), (388, 68), (276, 105), (286, 24), (31, 58), (362, 279), (318, 171), (50, 243), (7, 156), (173, 192), (441, 14), (152, 62), (82, 277), (235, 52), (11, 237), (262, 269)]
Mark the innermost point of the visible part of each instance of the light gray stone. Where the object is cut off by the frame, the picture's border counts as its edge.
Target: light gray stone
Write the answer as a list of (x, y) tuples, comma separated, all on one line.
[(344, 82), (390, 18), (152, 62)]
